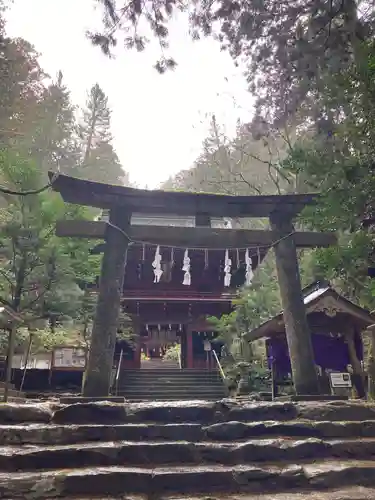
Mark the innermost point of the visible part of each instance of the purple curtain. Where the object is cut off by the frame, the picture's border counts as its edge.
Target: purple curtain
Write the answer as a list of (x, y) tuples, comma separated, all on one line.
[(329, 352)]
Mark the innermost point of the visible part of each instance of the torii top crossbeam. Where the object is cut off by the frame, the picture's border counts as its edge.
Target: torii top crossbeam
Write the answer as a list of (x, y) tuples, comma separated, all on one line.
[(96, 194)]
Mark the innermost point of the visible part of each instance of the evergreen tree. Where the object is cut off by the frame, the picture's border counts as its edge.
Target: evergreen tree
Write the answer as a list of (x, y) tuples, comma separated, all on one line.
[(100, 162), (55, 142), (21, 89)]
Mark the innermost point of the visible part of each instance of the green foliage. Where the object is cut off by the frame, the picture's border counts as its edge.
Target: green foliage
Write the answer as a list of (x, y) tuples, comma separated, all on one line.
[(288, 48), (99, 159), (40, 273), (173, 352)]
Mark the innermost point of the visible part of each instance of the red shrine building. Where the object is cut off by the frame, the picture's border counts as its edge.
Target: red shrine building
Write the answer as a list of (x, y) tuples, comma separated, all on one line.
[(169, 293)]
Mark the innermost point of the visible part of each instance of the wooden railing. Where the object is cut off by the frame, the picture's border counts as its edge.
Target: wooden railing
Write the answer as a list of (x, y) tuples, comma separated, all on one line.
[(220, 368), (118, 371)]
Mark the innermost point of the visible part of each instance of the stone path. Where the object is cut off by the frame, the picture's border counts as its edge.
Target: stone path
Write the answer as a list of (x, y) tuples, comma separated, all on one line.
[(188, 450)]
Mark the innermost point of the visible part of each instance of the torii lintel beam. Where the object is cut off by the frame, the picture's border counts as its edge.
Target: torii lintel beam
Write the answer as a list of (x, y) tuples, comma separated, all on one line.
[(193, 237)]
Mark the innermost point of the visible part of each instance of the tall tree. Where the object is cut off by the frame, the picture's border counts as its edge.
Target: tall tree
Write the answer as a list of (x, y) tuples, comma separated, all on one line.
[(40, 275), (100, 161), (55, 140), (21, 90)]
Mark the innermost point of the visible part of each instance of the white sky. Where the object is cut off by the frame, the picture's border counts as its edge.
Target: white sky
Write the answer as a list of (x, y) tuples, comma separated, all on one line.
[(158, 121)]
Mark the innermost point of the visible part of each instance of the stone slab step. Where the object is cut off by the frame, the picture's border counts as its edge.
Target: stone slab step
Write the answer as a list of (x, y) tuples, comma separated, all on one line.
[(186, 393), (122, 481), (169, 381), (207, 412), (136, 453), (166, 386), (143, 398), (41, 434), (355, 493)]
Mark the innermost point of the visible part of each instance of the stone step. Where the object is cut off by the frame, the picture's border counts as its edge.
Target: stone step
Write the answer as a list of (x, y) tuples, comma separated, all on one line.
[(208, 412), (44, 434), (118, 481), (161, 378), (170, 396), (199, 411), (351, 493), (136, 453), (166, 389), (142, 398), (171, 372), (165, 385)]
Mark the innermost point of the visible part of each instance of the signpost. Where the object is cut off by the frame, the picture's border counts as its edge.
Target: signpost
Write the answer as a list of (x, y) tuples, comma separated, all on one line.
[(340, 380)]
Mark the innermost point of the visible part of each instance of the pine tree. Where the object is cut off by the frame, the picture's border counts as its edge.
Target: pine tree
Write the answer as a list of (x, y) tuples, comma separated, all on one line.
[(55, 142), (21, 89), (100, 162)]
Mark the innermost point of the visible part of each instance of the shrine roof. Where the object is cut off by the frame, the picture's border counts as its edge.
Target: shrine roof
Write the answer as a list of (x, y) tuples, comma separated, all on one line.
[(96, 194), (317, 294)]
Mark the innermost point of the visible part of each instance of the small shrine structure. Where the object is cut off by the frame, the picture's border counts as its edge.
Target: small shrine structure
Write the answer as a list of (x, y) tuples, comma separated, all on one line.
[(336, 325), (120, 234)]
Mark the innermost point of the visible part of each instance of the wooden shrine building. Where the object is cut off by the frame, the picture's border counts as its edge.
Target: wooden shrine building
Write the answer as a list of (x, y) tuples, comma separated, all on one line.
[(174, 308), (336, 325), (165, 274)]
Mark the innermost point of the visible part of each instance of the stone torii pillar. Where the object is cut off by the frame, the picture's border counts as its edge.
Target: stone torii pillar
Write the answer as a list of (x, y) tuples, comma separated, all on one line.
[(103, 338), (305, 377)]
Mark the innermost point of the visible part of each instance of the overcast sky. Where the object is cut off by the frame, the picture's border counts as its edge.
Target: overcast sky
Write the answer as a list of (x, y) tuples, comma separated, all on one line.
[(158, 121)]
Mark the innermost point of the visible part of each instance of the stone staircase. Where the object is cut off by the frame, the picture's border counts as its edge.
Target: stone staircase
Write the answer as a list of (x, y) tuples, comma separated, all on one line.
[(154, 384), (159, 364), (188, 450)]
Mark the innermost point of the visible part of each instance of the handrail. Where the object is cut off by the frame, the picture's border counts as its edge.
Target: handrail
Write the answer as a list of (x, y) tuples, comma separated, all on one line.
[(118, 371), (222, 374), (179, 360)]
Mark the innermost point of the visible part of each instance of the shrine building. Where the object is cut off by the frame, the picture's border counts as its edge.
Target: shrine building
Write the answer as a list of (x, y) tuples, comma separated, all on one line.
[(336, 326), (172, 305)]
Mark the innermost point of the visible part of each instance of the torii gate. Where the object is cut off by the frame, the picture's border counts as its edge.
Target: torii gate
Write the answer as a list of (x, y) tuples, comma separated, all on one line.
[(118, 232)]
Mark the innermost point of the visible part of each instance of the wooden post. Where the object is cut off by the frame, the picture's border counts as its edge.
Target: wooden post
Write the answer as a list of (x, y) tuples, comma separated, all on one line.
[(297, 330), (358, 374), (189, 348), (274, 380), (103, 339)]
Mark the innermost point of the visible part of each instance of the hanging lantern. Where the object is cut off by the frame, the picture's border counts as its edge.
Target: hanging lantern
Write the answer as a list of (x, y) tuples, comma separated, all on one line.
[(157, 265), (186, 269), (227, 269)]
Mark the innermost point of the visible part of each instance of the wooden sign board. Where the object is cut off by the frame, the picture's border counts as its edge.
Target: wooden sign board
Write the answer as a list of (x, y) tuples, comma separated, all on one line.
[(69, 358), (340, 380)]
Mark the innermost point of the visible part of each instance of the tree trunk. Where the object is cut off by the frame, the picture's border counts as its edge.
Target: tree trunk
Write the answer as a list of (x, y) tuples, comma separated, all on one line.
[(8, 376), (298, 335), (103, 339), (371, 364), (30, 343)]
